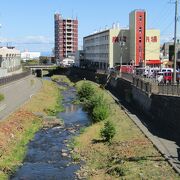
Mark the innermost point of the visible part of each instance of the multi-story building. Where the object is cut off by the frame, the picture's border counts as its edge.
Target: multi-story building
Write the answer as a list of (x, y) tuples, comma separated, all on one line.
[(114, 46), (66, 37), (10, 60), (102, 48)]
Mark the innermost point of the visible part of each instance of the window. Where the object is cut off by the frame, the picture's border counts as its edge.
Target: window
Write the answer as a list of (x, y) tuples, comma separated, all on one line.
[(140, 29), (140, 39), (140, 18)]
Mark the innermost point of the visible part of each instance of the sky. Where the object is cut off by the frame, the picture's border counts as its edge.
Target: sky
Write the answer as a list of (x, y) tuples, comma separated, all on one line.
[(29, 24)]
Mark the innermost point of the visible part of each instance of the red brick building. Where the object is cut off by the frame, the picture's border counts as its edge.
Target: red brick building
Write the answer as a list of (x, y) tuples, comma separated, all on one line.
[(66, 37)]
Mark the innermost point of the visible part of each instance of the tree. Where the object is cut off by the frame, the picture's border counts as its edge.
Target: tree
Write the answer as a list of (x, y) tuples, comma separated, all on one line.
[(108, 132), (43, 59)]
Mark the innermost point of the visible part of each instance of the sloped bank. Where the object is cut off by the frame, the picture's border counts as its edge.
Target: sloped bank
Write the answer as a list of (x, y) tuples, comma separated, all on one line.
[(18, 129), (130, 155)]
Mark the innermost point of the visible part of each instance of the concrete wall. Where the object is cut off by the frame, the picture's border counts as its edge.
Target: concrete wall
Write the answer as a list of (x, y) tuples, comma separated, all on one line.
[(163, 110), (166, 109), (142, 99)]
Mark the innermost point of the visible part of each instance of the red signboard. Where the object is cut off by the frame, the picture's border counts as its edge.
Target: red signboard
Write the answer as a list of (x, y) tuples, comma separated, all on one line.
[(151, 38), (117, 39)]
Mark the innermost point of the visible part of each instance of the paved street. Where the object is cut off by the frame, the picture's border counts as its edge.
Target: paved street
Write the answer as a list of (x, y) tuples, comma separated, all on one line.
[(16, 93)]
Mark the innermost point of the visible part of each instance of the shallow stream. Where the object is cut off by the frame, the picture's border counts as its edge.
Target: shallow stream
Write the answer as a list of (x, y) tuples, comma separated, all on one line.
[(48, 157)]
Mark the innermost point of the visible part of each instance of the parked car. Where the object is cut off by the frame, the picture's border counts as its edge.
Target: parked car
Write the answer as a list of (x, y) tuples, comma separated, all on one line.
[(168, 76), (164, 77)]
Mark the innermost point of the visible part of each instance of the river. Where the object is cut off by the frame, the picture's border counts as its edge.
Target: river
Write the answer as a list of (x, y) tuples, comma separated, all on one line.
[(48, 156)]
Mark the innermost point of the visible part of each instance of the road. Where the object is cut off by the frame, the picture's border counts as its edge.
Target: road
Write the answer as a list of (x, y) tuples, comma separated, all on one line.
[(17, 93)]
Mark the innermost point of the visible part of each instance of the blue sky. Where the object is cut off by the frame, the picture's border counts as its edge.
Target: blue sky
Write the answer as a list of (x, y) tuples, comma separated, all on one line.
[(29, 24)]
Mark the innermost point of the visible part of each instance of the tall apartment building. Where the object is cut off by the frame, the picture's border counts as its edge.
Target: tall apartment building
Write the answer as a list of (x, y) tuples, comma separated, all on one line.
[(66, 37)]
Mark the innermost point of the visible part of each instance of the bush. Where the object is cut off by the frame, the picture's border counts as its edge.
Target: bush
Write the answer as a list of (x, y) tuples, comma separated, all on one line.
[(94, 101), (117, 171), (100, 113), (86, 91), (108, 132)]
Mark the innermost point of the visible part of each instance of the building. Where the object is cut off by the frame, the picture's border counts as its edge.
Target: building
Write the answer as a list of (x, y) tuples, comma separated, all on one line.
[(152, 48), (26, 55), (66, 37), (168, 53), (135, 45), (102, 48), (79, 58), (10, 61)]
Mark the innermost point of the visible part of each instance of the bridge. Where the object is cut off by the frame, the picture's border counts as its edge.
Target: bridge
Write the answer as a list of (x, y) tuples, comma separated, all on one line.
[(38, 69)]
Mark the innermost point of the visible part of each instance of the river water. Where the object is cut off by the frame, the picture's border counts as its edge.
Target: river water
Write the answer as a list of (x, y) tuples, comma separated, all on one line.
[(48, 157)]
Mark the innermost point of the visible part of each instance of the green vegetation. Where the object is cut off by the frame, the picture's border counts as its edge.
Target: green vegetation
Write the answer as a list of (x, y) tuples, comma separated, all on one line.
[(94, 103), (62, 78), (13, 157), (130, 155), (108, 132), (20, 127), (86, 92), (1, 97)]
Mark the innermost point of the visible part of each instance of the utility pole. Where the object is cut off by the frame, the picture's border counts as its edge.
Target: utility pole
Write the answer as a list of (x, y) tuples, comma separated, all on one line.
[(175, 40)]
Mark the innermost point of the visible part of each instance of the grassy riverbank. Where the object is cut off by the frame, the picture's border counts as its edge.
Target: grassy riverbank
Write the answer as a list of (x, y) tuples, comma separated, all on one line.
[(19, 128), (129, 156)]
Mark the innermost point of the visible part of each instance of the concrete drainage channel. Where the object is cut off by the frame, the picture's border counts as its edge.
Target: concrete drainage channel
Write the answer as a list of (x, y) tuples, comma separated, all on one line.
[(158, 144)]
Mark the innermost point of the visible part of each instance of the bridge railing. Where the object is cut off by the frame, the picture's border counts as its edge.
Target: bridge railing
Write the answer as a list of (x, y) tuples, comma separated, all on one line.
[(8, 79)]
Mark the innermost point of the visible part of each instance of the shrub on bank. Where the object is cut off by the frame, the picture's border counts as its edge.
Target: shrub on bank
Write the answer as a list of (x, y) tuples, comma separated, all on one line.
[(93, 102), (85, 92), (100, 113), (108, 132)]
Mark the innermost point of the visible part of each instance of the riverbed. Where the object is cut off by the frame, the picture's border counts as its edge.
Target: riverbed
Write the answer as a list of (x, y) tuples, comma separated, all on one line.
[(48, 156)]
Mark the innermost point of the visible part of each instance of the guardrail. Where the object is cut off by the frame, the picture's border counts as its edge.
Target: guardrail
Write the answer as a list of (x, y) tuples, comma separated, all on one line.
[(8, 79)]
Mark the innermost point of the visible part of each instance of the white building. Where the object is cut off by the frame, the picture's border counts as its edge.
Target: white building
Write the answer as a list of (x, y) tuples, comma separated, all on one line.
[(67, 62), (26, 55), (10, 61)]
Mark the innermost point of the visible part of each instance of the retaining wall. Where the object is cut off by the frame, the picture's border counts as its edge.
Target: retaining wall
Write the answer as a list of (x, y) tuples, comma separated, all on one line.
[(164, 110)]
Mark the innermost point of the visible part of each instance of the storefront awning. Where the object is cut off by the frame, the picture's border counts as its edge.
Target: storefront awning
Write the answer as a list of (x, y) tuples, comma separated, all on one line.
[(151, 62)]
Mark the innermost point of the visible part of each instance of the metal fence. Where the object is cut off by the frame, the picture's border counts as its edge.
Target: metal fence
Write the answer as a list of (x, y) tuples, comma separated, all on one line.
[(8, 79)]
